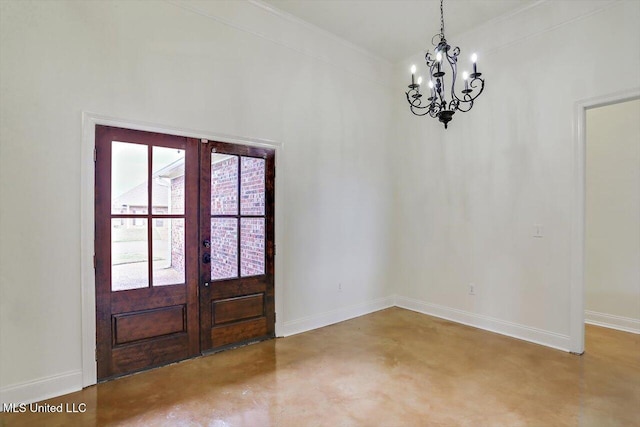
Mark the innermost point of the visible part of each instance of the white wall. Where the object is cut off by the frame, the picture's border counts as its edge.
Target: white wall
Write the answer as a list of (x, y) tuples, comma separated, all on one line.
[(467, 197), (217, 67), (613, 216)]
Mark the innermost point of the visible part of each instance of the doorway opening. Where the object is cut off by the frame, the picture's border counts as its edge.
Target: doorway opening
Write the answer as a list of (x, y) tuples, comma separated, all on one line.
[(612, 216), (184, 247), (578, 230)]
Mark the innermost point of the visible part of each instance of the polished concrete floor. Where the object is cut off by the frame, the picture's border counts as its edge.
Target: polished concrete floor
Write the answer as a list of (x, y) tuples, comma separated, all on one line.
[(390, 368)]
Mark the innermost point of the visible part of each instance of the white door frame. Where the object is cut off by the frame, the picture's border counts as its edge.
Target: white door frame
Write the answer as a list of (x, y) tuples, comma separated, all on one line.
[(578, 225), (87, 221)]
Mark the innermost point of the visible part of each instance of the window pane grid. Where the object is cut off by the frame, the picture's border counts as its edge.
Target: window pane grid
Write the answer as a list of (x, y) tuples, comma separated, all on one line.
[(147, 215), (248, 213)]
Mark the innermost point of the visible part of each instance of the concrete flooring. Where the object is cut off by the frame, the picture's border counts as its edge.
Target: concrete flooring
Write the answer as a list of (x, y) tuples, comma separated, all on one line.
[(390, 368)]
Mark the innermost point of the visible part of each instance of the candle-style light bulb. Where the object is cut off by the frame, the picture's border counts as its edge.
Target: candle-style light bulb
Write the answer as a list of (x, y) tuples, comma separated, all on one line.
[(465, 77), (430, 84), (419, 80), (439, 72), (413, 75), (413, 69), (474, 59)]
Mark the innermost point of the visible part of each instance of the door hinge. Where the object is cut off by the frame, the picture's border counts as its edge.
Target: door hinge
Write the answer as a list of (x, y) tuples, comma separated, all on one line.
[(95, 154), (94, 261), (274, 249), (275, 316), (96, 354)]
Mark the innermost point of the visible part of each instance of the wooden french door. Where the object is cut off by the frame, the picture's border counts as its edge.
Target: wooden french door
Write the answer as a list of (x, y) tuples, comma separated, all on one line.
[(146, 250), (237, 244), (172, 278)]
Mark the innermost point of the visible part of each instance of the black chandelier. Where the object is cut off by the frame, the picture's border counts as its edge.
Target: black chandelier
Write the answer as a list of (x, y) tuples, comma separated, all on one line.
[(437, 105)]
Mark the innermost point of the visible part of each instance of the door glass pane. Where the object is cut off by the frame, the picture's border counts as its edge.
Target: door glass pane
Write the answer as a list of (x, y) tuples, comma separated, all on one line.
[(129, 254), (252, 186), (224, 248), (129, 191), (252, 246), (224, 184), (168, 251), (167, 175)]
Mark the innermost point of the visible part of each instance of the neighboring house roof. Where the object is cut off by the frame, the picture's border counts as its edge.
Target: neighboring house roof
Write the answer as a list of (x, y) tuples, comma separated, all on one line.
[(137, 196)]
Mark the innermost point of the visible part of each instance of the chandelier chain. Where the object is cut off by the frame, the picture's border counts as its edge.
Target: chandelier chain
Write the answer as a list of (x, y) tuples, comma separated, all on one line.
[(441, 19)]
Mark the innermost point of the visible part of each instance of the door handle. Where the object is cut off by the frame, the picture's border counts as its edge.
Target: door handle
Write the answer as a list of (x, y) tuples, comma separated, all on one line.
[(206, 258)]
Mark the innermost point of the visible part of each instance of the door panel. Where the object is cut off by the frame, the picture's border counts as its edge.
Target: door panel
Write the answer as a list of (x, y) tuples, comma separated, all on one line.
[(146, 250), (237, 308), (138, 325), (239, 332), (237, 250)]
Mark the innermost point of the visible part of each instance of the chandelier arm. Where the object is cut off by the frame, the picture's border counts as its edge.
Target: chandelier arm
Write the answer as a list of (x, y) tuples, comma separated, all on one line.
[(473, 84), (417, 108), (469, 96), (430, 60), (420, 114), (453, 63), (464, 105), (416, 103), (420, 110), (466, 102)]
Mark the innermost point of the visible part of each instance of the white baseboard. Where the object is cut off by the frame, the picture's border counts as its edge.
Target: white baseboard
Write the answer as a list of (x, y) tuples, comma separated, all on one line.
[(334, 316), (515, 330), (626, 324), (42, 388)]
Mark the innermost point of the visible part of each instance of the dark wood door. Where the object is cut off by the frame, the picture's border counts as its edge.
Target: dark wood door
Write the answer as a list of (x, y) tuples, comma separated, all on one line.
[(146, 213), (236, 244)]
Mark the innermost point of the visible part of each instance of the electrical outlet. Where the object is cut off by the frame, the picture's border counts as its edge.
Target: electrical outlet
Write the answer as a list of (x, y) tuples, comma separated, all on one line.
[(472, 288)]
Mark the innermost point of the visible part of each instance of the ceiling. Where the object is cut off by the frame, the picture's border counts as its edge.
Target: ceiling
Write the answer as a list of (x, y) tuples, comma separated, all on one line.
[(395, 29)]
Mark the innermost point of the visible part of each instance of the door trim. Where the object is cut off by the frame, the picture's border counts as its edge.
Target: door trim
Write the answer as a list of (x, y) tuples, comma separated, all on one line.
[(577, 257), (87, 221)]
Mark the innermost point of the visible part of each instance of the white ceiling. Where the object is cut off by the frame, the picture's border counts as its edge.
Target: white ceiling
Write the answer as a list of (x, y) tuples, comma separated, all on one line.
[(395, 29)]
